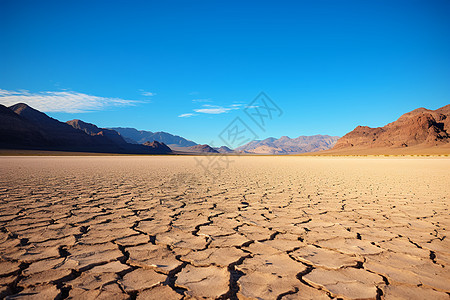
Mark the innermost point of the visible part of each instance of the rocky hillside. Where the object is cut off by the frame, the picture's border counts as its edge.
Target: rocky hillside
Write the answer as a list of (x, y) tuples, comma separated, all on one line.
[(93, 130), (16, 131), (157, 146), (421, 127)]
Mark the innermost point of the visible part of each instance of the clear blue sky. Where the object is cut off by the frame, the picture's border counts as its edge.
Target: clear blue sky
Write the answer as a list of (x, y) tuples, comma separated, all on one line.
[(329, 65)]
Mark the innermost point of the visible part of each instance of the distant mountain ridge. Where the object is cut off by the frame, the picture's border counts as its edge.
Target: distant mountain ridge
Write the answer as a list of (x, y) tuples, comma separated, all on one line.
[(421, 127), (93, 130), (23, 127), (202, 149), (286, 145), (223, 149), (142, 136)]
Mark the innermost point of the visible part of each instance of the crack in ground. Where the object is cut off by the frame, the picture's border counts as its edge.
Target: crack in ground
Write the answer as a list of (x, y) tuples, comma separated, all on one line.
[(295, 291), (172, 277), (433, 257), (234, 277)]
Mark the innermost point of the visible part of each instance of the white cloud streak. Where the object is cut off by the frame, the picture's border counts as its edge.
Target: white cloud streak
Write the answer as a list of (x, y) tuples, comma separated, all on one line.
[(210, 109), (201, 100), (148, 94), (215, 109), (186, 115), (62, 101)]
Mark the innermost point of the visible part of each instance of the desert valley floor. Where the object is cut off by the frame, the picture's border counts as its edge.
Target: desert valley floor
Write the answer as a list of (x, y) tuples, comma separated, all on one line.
[(159, 227)]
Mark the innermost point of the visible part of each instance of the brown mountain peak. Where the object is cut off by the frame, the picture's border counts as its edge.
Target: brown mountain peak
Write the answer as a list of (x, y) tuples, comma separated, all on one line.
[(420, 127)]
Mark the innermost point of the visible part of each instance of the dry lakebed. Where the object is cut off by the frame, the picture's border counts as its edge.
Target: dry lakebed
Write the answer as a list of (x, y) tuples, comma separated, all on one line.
[(263, 227)]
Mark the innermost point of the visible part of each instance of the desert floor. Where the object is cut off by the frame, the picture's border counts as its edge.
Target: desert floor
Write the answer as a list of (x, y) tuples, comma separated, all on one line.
[(254, 227)]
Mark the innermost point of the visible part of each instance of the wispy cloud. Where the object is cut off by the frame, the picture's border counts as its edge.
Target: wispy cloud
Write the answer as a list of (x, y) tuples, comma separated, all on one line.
[(215, 109), (62, 101), (148, 94), (201, 100), (186, 115), (211, 109)]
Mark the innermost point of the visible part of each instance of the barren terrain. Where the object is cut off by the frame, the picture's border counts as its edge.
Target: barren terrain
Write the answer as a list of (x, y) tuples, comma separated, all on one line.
[(265, 227)]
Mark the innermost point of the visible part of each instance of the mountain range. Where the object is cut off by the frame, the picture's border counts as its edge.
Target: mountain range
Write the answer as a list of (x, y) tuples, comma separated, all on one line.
[(286, 145), (141, 136), (23, 127), (421, 131)]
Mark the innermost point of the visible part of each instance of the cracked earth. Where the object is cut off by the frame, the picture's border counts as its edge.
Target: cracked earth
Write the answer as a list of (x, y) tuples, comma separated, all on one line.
[(266, 228)]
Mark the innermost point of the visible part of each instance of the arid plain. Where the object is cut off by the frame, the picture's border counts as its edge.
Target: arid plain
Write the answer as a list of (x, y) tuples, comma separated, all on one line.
[(272, 227)]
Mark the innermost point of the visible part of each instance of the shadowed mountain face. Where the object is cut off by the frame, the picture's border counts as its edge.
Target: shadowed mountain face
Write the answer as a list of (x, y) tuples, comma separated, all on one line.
[(224, 150), (24, 127), (93, 130), (421, 127), (286, 145), (17, 131), (157, 146), (202, 149), (56, 133), (142, 136)]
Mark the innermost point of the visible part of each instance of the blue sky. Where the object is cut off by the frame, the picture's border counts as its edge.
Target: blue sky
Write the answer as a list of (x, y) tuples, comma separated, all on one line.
[(190, 67)]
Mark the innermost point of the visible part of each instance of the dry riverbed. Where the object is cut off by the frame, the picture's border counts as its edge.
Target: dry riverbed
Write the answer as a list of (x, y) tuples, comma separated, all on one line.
[(265, 227)]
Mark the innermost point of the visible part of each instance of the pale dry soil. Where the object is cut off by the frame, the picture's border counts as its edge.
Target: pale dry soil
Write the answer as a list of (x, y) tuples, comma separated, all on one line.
[(265, 228)]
